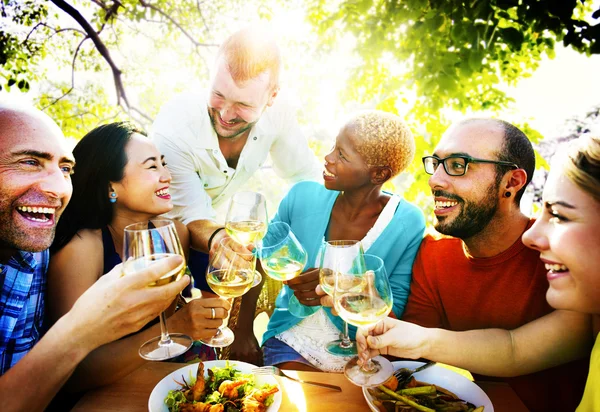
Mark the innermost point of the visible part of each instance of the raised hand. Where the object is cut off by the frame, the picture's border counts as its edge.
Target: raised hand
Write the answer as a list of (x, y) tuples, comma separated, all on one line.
[(201, 317), (391, 337), (117, 305), (304, 286)]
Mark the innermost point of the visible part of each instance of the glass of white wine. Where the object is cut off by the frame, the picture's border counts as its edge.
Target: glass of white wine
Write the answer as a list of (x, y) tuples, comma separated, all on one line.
[(343, 259), (364, 306), (283, 257), (229, 274), (246, 220), (145, 243)]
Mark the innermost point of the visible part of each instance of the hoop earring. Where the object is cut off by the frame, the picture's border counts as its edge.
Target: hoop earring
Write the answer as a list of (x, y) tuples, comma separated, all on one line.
[(507, 194), (113, 197)]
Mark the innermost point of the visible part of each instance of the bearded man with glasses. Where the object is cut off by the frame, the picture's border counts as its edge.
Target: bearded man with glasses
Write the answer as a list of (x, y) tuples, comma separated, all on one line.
[(477, 274)]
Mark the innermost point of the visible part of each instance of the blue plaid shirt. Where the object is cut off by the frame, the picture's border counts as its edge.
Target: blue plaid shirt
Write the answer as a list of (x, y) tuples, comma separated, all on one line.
[(21, 305)]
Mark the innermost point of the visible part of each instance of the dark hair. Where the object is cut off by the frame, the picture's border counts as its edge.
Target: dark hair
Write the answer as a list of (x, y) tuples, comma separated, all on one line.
[(100, 159), (516, 149)]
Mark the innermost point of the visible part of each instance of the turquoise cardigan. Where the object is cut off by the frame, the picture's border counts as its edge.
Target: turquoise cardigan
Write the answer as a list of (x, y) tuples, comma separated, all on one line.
[(307, 209)]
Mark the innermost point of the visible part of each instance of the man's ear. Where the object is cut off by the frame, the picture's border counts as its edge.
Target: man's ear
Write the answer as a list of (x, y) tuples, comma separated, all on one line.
[(380, 174), (272, 95), (516, 180)]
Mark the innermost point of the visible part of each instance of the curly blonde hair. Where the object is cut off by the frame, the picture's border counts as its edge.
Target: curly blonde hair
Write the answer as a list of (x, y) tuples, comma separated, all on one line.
[(383, 139)]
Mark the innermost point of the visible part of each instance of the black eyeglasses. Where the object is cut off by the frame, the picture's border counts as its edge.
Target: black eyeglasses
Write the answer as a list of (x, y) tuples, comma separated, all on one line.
[(457, 165)]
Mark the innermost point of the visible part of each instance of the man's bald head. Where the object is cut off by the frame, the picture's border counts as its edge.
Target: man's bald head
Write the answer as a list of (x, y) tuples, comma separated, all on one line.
[(515, 147), (35, 183)]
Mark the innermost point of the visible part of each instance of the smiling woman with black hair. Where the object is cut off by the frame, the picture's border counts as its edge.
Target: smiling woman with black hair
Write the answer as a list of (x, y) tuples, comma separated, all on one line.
[(120, 179)]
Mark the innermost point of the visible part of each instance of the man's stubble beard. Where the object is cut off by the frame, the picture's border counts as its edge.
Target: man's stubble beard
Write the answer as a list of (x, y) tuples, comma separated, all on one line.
[(473, 218), (235, 134)]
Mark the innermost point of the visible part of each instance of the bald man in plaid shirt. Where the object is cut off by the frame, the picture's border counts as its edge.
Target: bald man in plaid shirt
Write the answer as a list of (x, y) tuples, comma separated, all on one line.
[(35, 187)]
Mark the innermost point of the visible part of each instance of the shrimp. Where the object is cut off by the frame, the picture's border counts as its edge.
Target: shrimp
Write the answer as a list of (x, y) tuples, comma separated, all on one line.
[(196, 391), (252, 405), (229, 389), (261, 395)]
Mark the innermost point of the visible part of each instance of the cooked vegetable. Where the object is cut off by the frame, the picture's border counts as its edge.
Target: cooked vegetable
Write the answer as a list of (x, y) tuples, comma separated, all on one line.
[(225, 390), (419, 396)]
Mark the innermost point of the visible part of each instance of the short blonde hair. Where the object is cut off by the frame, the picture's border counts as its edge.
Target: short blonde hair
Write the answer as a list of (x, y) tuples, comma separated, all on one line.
[(583, 164), (250, 52), (383, 139)]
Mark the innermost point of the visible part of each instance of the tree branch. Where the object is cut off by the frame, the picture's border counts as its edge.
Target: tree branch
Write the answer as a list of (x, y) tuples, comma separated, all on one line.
[(103, 50), (176, 24), (72, 75)]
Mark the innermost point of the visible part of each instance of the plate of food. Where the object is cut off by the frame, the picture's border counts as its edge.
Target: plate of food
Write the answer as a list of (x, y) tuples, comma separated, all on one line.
[(436, 388), (216, 386)]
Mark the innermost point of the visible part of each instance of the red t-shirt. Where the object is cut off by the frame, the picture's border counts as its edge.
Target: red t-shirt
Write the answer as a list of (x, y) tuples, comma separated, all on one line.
[(455, 291)]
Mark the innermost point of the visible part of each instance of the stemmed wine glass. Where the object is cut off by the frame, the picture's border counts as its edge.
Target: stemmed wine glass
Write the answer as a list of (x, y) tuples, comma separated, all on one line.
[(246, 220), (283, 257), (364, 306), (229, 274), (143, 244), (342, 260)]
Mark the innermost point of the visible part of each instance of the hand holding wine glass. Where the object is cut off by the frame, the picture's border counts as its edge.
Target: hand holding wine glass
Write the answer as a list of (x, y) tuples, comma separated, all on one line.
[(246, 220), (230, 274), (145, 243), (364, 306), (341, 260)]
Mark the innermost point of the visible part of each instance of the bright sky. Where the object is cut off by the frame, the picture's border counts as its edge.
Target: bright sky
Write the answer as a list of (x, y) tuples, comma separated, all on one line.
[(567, 86)]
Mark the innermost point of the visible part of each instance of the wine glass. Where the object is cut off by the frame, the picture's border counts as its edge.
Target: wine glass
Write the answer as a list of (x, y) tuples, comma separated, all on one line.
[(341, 259), (143, 244), (229, 274), (246, 220), (283, 257), (364, 306)]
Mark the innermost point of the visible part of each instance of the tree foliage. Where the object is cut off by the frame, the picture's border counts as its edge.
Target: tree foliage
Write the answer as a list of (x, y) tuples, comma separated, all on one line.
[(420, 58), (417, 58), (87, 37), (452, 53)]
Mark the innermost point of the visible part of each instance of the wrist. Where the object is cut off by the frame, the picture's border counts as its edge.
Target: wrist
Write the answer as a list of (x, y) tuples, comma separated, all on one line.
[(80, 341), (431, 340), (211, 239)]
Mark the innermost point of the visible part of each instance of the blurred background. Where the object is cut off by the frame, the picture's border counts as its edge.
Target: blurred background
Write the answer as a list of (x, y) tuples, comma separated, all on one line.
[(535, 63)]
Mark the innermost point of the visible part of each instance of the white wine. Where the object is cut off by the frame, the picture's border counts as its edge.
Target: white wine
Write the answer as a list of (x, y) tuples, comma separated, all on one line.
[(346, 283), (282, 268), (135, 265), (230, 284), (361, 310), (246, 231)]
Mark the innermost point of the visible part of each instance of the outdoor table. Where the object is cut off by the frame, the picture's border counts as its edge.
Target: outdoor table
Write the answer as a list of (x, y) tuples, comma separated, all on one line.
[(132, 392)]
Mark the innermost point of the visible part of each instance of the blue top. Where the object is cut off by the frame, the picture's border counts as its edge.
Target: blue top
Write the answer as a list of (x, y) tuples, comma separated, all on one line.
[(307, 209), (23, 282)]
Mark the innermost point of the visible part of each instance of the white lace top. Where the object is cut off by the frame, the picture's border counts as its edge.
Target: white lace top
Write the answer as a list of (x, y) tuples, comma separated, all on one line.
[(311, 335)]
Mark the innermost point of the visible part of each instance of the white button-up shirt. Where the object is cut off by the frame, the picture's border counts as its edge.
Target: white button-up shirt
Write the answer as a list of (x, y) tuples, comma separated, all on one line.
[(202, 180)]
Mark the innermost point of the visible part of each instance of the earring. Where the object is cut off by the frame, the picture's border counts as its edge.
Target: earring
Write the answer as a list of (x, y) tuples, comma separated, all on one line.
[(507, 194), (113, 197)]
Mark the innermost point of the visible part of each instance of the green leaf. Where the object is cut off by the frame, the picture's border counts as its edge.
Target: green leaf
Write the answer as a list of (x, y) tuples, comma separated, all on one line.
[(513, 37)]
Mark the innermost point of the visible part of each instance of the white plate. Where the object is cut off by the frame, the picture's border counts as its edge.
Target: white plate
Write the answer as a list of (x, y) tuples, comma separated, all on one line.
[(454, 382), (156, 403)]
